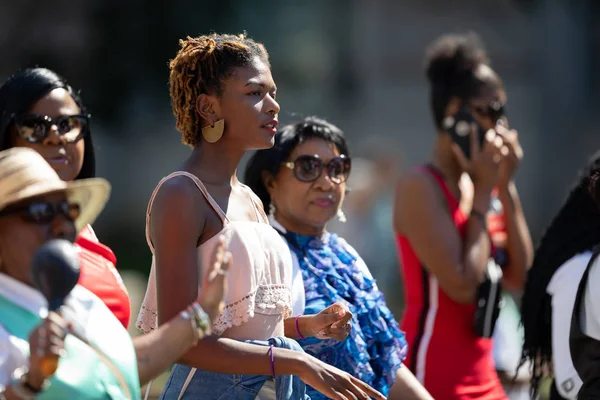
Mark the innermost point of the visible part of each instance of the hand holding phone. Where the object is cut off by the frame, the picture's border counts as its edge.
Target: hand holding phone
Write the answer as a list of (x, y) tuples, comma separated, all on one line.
[(484, 164), (459, 128), (513, 154)]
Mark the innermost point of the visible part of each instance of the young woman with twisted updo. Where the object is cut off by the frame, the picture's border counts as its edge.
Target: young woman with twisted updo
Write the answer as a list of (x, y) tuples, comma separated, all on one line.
[(223, 97), (441, 220)]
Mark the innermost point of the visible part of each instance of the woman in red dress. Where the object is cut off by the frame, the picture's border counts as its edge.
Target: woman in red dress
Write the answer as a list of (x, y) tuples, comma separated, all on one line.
[(441, 222), (39, 110)]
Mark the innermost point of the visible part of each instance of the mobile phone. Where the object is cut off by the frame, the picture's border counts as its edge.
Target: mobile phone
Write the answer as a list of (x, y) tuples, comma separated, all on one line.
[(458, 127)]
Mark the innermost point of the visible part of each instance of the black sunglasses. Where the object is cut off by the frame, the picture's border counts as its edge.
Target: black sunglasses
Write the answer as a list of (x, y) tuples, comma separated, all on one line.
[(495, 110), (41, 212), (35, 128), (308, 168)]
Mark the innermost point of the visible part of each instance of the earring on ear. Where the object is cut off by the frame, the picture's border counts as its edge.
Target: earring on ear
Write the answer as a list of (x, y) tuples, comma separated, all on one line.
[(272, 210), (341, 216), (212, 133)]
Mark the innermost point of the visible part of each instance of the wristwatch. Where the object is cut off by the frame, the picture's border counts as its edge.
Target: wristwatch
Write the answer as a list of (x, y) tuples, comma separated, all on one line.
[(22, 388)]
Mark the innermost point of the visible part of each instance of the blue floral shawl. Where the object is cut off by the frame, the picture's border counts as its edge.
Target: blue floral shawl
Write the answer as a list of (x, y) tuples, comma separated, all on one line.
[(376, 347)]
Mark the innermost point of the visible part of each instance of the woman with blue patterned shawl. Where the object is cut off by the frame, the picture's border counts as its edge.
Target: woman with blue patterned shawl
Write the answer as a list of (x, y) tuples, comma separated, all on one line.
[(302, 182)]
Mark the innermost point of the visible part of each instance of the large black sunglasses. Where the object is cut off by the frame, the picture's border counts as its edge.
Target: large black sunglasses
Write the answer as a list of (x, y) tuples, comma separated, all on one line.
[(308, 168), (42, 212), (35, 128)]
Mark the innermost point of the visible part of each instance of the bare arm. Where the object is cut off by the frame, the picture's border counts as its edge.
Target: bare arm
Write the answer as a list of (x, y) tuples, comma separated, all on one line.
[(231, 356), (156, 350), (224, 356), (519, 246), (422, 215), (333, 322), (177, 221), (178, 218), (407, 387), (289, 326)]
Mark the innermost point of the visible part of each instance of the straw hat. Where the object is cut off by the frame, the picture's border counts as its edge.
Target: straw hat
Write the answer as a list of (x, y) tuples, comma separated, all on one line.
[(25, 174)]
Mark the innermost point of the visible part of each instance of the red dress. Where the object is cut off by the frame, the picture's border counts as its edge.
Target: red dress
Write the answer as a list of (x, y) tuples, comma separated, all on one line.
[(444, 352), (100, 276)]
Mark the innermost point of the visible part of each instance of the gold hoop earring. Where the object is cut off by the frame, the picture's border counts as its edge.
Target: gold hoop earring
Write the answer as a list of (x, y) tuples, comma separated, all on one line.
[(212, 133)]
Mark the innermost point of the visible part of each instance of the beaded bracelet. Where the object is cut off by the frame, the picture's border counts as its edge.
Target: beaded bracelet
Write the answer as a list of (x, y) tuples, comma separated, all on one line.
[(199, 321), (202, 318), (185, 314)]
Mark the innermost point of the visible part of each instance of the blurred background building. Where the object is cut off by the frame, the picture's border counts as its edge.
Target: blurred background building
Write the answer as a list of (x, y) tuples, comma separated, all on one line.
[(357, 63)]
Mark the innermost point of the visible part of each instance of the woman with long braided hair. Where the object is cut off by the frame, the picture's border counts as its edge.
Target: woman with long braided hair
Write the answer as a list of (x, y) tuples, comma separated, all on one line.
[(559, 263), (223, 97)]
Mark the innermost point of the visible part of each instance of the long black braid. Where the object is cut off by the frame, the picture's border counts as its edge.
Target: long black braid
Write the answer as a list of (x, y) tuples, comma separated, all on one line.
[(575, 229)]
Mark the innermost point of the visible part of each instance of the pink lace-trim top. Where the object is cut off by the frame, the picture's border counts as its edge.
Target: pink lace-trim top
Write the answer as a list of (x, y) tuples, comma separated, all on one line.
[(259, 280)]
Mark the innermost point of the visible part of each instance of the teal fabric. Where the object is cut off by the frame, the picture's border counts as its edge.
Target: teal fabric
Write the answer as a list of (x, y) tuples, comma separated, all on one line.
[(81, 374)]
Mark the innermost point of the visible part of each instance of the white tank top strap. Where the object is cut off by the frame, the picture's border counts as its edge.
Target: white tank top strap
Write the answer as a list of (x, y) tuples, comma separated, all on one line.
[(215, 206)]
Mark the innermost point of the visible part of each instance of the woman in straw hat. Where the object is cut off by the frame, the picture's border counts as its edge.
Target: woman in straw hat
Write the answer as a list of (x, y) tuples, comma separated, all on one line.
[(39, 110), (36, 206)]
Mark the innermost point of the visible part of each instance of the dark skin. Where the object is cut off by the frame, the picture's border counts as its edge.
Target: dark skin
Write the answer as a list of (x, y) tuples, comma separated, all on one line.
[(65, 158), (306, 208), (181, 219), (421, 211), (155, 351), (17, 239), (249, 95)]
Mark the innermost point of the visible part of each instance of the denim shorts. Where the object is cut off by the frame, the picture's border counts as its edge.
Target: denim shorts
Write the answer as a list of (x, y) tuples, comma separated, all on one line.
[(206, 385)]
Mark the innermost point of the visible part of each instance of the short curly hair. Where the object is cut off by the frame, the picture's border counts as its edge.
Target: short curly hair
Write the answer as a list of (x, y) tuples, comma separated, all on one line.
[(200, 66)]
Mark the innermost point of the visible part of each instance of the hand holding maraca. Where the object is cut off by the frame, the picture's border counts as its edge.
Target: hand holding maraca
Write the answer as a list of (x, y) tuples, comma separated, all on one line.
[(47, 345)]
